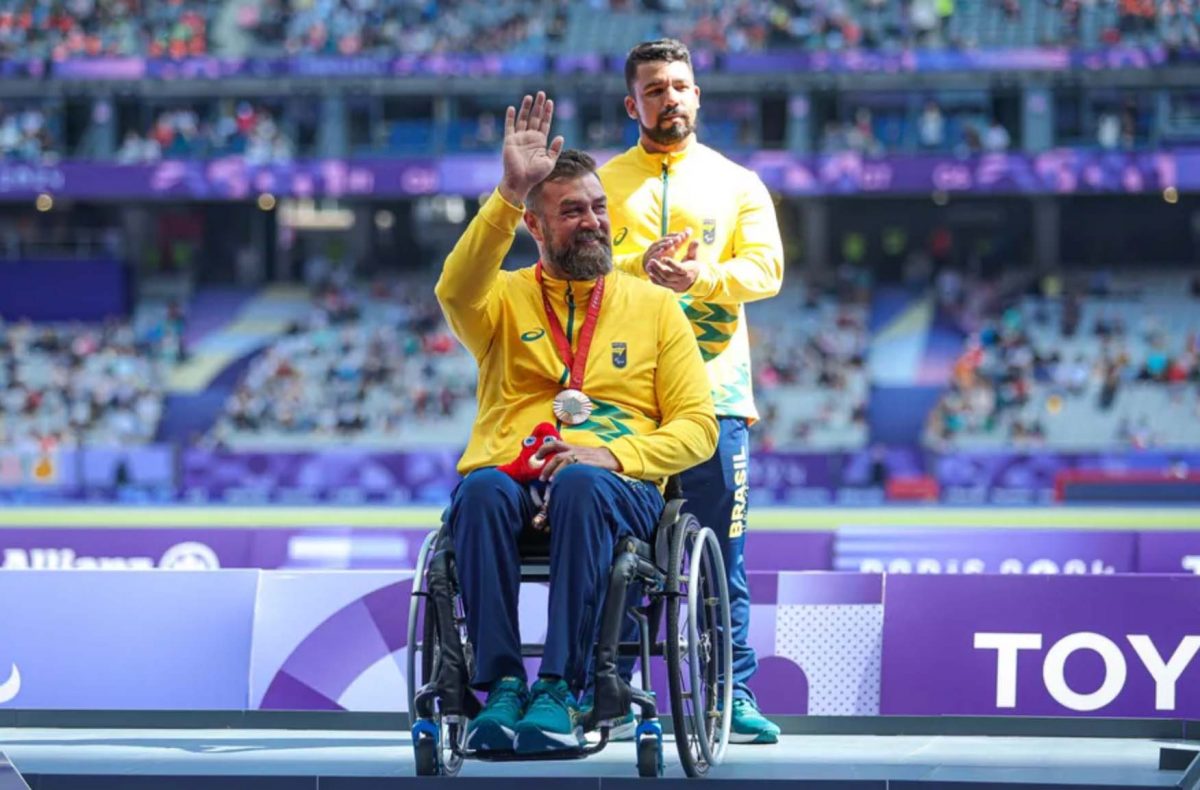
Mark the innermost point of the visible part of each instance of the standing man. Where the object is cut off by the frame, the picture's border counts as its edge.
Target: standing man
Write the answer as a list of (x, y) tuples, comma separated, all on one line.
[(669, 194)]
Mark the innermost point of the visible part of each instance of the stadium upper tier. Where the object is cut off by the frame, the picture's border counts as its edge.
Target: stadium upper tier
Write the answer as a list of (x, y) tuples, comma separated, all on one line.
[(67, 29)]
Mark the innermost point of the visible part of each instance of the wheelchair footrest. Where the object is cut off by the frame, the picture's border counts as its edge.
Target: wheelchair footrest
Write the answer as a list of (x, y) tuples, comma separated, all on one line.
[(514, 757)]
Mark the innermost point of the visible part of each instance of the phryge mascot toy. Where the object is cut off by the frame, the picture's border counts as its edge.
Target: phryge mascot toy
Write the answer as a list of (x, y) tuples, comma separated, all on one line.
[(526, 468)]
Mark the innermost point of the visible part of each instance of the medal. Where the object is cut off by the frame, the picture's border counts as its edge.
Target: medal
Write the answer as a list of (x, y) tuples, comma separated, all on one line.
[(572, 406)]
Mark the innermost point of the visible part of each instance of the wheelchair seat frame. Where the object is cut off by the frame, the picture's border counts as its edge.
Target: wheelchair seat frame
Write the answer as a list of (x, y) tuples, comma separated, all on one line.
[(681, 573)]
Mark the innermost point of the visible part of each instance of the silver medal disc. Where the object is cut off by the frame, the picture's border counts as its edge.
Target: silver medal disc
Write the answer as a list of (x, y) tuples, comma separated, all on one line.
[(572, 407)]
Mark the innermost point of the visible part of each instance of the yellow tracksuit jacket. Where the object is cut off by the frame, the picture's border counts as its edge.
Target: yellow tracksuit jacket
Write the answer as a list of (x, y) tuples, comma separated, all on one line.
[(653, 408), (731, 215)]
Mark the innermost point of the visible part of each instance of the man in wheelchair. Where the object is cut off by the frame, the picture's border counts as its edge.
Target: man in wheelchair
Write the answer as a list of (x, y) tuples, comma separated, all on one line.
[(613, 362)]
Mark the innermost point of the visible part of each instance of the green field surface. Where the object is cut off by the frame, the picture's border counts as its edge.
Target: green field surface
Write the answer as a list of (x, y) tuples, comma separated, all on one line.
[(773, 519)]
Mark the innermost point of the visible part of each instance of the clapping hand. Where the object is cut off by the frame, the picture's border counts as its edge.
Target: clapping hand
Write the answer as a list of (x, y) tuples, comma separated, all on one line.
[(664, 270)]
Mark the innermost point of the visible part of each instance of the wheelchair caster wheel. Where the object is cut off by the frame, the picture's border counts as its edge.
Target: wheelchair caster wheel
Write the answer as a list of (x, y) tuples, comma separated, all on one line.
[(650, 749), (649, 757), (425, 749), (427, 757)]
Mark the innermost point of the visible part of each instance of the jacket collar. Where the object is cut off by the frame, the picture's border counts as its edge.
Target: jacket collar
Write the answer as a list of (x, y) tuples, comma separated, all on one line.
[(654, 161), (581, 290)]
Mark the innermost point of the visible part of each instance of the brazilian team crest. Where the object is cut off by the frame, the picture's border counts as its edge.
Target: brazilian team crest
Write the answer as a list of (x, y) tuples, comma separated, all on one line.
[(709, 230), (618, 355)]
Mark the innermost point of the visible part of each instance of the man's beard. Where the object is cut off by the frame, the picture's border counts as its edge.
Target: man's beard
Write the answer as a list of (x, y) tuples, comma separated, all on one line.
[(672, 134), (578, 261)]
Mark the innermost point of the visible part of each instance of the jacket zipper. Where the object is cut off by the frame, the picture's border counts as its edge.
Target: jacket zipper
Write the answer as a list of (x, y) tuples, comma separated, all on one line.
[(665, 207), (570, 325)]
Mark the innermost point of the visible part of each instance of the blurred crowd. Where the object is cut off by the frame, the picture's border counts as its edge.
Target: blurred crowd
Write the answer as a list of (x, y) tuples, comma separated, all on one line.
[(366, 364), (65, 386), (1048, 363), (24, 135), (240, 128), (869, 134), (809, 351), (61, 29), (353, 27)]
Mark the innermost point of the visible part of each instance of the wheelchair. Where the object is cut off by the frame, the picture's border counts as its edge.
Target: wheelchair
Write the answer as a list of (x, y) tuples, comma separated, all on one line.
[(680, 573)]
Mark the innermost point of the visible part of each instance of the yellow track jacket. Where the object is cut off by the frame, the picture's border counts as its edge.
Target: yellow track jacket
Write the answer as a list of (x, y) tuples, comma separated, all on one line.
[(653, 409), (731, 215)]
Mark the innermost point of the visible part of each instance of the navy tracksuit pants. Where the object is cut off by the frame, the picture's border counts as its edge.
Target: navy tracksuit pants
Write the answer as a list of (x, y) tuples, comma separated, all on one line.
[(718, 493), (590, 510)]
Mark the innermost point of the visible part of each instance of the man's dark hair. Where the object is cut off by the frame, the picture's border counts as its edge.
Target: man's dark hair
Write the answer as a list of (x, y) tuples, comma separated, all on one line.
[(572, 163), (664, 50)]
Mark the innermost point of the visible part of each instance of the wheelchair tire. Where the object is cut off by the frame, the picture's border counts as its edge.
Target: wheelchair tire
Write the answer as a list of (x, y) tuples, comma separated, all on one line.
[(419, 613), (649, 758), (425, 750), (696, 584)]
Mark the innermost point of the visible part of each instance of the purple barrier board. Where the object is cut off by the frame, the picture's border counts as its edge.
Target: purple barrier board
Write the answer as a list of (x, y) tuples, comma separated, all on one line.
[(336, 641), (99, 468), (349, 477), (126, 641), (1006, 478), (310, 548), (892, 550), (1062, 171), (331, 641), (1041, 646), (1168, 552)]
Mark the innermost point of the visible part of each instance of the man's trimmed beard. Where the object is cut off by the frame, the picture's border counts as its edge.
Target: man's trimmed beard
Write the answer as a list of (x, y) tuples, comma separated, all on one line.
[(579, 262), (672, 134)]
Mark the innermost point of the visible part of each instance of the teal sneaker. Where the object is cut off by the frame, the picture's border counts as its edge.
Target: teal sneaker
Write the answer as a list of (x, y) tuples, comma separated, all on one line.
[(551, 722), (495, 729), (623, 730), (750, 726)]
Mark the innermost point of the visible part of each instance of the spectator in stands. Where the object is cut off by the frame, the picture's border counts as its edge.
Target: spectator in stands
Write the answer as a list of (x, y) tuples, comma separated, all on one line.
[(996, 138), (135, 150), (25, 136), (1108, 130), (932, 126)]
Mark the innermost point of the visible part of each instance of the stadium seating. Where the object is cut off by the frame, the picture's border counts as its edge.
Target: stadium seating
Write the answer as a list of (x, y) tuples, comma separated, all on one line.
[(811, 382), (370, 367), (1114, 368), (71, 386)]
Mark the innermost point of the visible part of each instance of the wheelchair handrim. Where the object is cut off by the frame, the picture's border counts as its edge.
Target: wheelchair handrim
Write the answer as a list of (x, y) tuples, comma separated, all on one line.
[(414, 608), (705, 542)]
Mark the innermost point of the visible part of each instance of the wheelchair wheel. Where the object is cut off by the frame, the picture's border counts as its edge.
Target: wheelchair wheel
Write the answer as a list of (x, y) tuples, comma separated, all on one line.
[(417, 607), (433, 739), (699, 655)]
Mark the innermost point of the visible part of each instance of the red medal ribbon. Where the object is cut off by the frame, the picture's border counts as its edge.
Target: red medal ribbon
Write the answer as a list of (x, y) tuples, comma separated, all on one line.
[(576, 362)]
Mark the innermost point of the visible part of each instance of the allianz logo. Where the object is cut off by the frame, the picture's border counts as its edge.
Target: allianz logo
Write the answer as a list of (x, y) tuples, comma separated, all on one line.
[(186, 556)]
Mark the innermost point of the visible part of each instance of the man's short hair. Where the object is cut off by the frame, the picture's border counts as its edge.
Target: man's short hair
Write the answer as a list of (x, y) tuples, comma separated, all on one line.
[(663, 50), (572, 163)]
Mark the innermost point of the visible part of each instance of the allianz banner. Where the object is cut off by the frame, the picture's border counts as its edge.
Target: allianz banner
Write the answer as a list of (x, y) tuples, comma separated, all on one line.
[(1112, 646)]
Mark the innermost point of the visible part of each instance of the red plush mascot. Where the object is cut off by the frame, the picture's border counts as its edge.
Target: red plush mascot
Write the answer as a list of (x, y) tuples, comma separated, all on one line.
[(525, 468)]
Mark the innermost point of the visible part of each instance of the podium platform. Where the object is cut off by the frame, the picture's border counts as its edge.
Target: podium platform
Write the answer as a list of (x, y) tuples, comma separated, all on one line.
[(368, 751)]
